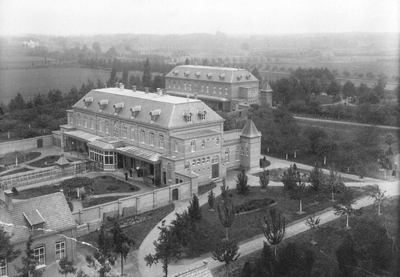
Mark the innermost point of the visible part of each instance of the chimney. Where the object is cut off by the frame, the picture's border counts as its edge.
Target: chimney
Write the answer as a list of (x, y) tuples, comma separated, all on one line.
[(159, 91), (116, 84), (133, 88), (8, 199), (146, 89), (121, 86)]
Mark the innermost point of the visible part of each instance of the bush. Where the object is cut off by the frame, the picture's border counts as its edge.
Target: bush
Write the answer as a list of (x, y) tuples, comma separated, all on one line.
[(14, 190), (241, 183)]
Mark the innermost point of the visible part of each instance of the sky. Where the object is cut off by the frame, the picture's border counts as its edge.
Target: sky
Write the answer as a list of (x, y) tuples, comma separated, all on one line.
[(89, 17)]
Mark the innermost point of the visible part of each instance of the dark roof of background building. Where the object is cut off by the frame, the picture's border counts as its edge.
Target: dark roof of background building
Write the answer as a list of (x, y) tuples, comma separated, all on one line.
[(172, 108), (53, 208), (210, 73)]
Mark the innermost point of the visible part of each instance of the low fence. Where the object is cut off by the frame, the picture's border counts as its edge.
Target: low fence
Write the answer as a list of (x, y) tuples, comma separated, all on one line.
[(135, 204), (26, 144), (43, 174)]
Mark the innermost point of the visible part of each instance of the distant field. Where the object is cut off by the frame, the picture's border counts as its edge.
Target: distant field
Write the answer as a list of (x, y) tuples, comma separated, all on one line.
[(30, 82)]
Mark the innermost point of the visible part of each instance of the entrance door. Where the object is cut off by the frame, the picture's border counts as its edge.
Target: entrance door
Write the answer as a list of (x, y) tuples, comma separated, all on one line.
[(215, 171), (164, 177), (40, 143), (120, 161), (175, 194)]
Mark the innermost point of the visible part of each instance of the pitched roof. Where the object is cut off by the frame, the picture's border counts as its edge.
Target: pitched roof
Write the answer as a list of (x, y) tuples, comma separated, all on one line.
[(171, 107), (250, 130), (210, 73), (53, 209), (266, 87), (200, 271)]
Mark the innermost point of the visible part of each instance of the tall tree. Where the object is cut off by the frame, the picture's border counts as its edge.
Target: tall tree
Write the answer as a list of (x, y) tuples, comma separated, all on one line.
[(273, 229), (257, 74), (121, 243), (167, 248), (349, 90), (17, 103), (7, 252), (298, 192), (113, 78), (146, 78), (29, 262), (96, 47), (242, 186), (378, 195), (226, 214), (227, 252), (344, 207), (194, 209), (264, 179)]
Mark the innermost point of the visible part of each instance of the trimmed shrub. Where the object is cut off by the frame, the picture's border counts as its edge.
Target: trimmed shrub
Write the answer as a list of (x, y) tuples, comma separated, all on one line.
[(14, 190), (113, 187)]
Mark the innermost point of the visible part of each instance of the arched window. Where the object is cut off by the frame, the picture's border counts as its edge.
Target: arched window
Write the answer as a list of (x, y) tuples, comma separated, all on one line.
[(237, 153), (151, 138), (107, 127), (85, 121), (161, 141), (124, 131), (169, 171), (100, 125), (227, 155), (132, 133), (193, 146), (79, 119), (142, 136), (91, 123)]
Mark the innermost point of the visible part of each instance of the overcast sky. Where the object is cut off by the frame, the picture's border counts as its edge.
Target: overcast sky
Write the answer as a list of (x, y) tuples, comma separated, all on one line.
[(77, 17)]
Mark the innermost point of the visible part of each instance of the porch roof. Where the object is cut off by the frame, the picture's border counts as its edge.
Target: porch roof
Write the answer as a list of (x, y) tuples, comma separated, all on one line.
[(81, 135), (135, 152), (104, 145)]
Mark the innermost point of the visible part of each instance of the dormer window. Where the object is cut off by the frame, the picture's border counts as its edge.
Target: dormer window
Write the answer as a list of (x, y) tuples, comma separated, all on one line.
[(135, 110), (188, 116), (118, 107), (222, 76), (209, 75), (201, 113), (35, 221), (239, 77), (154, 114), (187, 73), (102, 104), (176, 71), (198, 74), (248, 76), (87, 101)]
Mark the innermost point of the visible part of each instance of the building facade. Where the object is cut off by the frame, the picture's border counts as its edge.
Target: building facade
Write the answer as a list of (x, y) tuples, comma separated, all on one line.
[(221, 88), (164, 138), (48, 220)]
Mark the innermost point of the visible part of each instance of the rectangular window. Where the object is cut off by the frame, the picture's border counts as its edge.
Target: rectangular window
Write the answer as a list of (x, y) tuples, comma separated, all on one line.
[(203, 143), (203, 160), (208, 159), (161, 141), (198, 161), (193, 146), (3, 268), (132, 133), (227, 155), (142, 136), (39, 255), (124, 131), (60, 250), (237, 153), (217, 141), (151, 138), (176, 146), (194, 162)]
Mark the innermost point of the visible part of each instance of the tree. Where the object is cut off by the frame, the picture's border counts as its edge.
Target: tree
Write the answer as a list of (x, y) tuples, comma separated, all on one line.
[(333, 88), (224, 191), (187, 61), (267, 264), (312, 222), (346, 256), (146, 78), (96, 47), (7, 252), (104, 253), (246, 271), (158, 82), (389, 140), (226, 214), (333, 182), (349, 90), (167, 248), (227, 252), (241, 183), (379, 87), (29, 262), (121, 243), (378, 195), (264, 179), (211, 200), (290, 179), (257, 74), (345, 204), (17, 103), (66, 266), (298, 193), (316, 178), (273, 229), (113, 78), (194, 209)]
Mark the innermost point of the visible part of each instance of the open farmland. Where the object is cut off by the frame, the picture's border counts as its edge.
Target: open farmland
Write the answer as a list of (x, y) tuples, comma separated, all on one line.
[(30, 82)]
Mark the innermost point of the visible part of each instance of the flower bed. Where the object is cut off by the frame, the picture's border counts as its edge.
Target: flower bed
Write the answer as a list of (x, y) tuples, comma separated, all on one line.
[(253, 205)]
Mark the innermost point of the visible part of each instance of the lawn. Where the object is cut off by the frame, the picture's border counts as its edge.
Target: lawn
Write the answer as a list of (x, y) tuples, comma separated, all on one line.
[(245, 226), (19, 170), (329, 236), (9, 158), (102, 185), (206, 188), (46, 161), (277, 173), (90, 202)]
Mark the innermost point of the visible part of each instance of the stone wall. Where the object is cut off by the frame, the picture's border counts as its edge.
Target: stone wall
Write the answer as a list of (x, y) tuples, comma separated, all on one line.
[(26, 144)]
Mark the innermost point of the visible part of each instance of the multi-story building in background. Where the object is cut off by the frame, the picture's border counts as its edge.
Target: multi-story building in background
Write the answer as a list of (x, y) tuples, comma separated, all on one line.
[(166, 138), (221, 88)]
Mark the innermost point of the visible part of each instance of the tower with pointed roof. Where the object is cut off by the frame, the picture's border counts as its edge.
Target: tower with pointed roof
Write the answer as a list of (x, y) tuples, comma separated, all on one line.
[(250, 140), (266, 95)]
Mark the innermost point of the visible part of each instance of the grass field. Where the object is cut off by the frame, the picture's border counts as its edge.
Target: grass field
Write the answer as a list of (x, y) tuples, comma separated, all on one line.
[(30, 82)]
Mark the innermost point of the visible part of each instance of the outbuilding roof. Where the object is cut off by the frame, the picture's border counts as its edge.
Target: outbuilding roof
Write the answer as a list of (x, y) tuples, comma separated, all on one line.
[(52, 208)]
